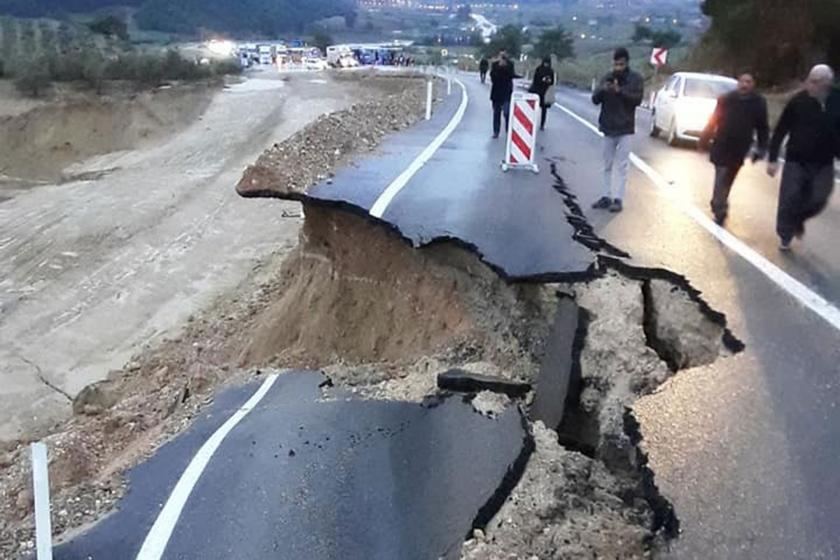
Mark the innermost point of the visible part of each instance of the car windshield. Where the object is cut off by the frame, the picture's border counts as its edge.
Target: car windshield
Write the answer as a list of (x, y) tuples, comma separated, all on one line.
[(707, 89)]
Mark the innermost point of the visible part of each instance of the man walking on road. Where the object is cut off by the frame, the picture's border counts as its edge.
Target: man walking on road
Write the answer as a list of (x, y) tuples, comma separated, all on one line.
[(483, 66), (618, 94), (812, 120), (502, 74), (738, 118)]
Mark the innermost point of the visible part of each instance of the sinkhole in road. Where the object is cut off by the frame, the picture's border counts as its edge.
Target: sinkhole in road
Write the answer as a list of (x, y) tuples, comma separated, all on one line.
[(384, 319)]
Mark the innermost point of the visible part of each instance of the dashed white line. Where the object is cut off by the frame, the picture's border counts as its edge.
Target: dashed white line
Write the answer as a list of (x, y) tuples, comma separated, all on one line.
[(795, 288), (384, 200), (155, 543)]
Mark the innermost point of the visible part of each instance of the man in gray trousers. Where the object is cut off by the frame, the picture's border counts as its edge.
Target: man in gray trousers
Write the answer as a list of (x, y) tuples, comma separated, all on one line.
[(812, 121), (619, 93)]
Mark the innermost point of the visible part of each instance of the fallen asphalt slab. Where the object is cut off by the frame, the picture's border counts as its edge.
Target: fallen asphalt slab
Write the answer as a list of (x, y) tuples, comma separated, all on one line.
[(302, 477)]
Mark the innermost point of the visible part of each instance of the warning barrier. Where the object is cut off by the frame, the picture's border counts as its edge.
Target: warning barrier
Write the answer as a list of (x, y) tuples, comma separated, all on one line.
[(522, 132)]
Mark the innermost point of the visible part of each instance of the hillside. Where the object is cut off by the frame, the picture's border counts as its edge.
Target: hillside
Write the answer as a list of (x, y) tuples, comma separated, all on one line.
[(56, 8), (245, 17), (27, 39), (252, 17)]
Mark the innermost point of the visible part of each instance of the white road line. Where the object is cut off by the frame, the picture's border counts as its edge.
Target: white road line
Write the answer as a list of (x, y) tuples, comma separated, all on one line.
[(796, 289), (381, 204), (158, 537)]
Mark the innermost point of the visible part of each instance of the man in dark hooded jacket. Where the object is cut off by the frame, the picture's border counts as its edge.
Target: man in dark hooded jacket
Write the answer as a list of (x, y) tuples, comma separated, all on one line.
[(740, 116), (502, 74)]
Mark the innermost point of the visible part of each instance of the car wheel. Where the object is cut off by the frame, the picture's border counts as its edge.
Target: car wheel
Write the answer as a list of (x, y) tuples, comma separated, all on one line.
[(654, 130), (673, 139)]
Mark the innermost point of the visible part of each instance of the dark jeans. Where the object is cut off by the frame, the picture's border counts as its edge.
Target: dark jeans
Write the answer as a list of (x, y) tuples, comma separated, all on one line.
[(498, 109), (544, 115), (806, 188), (724, 177), (483, 76)]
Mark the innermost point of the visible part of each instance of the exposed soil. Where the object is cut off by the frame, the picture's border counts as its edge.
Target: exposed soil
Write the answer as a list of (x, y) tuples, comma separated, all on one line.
[(41, 142)]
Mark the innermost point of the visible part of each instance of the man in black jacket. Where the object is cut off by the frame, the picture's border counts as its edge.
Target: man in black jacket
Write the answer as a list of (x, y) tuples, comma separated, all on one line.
[(738, 118), (483, 66), (812, 120), (619, 93), (502, 74)]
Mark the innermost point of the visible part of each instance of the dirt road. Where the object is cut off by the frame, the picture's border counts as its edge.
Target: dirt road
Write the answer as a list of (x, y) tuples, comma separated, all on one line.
[(90, 271)]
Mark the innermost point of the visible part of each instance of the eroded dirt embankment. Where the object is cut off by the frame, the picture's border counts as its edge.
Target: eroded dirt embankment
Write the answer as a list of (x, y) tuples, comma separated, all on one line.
[(40, 143)]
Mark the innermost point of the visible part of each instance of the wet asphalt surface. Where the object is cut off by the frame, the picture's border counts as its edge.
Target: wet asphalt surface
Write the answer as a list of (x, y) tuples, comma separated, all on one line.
[(745, 448)]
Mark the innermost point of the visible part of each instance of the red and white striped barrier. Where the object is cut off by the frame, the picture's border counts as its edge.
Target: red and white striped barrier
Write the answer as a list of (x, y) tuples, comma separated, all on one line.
[(522, 132)]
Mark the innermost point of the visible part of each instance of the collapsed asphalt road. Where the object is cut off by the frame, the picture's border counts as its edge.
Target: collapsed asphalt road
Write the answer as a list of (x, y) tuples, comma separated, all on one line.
[(587, 488), (349, 478)]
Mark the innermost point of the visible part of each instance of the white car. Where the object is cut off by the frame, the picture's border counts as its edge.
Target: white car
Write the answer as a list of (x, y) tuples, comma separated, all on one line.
[(683, 107), (315, 64)]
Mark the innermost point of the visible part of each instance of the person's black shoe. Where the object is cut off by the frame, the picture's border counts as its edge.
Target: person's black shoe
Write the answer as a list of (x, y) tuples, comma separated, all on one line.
[(495, 136), (616, 206), (720, 218), (602, 203)]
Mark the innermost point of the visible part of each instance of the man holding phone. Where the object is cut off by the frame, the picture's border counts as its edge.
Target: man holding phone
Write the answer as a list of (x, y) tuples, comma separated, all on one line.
[(619, 93)]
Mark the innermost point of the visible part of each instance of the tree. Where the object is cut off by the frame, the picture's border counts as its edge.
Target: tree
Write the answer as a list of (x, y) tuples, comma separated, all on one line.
[(642, 33), (557, 42), (110, 26), (666, 39), (509, 38), (93, 71), (33, 78), (464, 12), (776, 39), (321, 39)]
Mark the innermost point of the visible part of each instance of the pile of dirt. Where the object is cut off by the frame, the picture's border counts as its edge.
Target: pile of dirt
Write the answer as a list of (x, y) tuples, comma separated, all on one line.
[(40, 143), (310, 156), (566, 505)]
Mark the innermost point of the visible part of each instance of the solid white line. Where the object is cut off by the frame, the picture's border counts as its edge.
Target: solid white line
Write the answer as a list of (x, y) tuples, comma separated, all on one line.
[(381, 204), (158, 537), (581, 120), (41, 495), (796, 289)]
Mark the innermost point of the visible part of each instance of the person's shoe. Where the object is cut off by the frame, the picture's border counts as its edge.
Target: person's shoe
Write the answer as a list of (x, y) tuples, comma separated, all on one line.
[(800, 231), (784, 245), (602, 203), (495, 136), (616, 206), (720, 218)]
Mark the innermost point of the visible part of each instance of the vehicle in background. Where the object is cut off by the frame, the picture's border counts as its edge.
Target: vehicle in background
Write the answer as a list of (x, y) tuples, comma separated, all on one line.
[(348, 61), (312, 63), (337, 52), (683, 107), (266, 54)]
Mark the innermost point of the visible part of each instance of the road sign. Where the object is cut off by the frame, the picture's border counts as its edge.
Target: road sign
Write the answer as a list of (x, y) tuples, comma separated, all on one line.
[(444, 52), (522, 132), (659, 57)]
